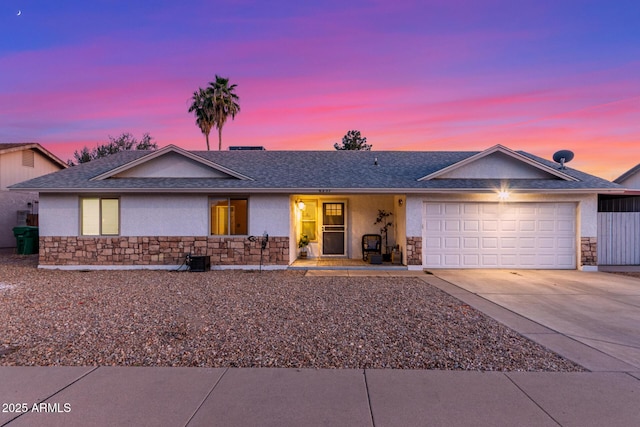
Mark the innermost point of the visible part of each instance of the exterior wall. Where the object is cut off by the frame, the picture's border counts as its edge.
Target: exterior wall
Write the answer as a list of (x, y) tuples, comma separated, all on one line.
[(161, 230), (159, 250), (10, 203), (12, 171), (172, 165), (632, 182), (59, 215), (270, 213), (363, 211), (589, 251), (163, 215), (497, 166), (414, 250), (586, 221)]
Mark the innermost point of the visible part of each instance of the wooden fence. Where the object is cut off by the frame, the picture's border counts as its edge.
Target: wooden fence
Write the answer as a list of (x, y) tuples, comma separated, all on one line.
[(619, 238)]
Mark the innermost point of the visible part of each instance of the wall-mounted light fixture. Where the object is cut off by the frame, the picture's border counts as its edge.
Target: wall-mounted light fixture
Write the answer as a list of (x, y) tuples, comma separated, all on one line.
[(300, 204), (503, 195), (400, 202)]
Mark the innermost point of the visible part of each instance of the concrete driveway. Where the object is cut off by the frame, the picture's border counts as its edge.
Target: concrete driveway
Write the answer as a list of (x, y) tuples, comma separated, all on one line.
[(599, 310)]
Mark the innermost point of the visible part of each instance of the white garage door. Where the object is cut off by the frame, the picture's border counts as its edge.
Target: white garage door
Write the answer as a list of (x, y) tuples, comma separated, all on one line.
[(499, 235)]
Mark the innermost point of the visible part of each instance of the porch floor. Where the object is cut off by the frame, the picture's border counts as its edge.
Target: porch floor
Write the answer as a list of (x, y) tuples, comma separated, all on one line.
[(342, 264)]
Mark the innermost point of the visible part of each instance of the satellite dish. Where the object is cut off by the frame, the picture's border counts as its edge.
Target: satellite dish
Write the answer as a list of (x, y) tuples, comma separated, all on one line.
[(562, 157)]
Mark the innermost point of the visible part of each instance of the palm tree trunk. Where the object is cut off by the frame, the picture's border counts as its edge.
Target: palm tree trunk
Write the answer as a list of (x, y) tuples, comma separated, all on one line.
[(206, 135), (220, 138)]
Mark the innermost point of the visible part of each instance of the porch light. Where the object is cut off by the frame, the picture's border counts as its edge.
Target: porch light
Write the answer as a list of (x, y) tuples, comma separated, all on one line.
[(503, 194), (300, 205)]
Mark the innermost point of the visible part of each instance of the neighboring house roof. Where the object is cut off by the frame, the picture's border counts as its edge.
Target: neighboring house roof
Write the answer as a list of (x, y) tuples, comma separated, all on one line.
[(628, 174), (8, 148), (338, 171)]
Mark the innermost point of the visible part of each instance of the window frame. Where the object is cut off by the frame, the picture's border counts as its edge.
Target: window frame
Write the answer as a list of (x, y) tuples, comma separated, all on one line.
[(229, 208), (100, 215), (314, 221)]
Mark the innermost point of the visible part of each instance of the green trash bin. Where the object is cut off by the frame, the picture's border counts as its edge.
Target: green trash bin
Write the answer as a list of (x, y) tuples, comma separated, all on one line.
[(26, 239)]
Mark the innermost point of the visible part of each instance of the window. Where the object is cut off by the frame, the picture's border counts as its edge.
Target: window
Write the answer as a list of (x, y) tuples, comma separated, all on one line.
[(229, 217), (100, 216), (309, 219)]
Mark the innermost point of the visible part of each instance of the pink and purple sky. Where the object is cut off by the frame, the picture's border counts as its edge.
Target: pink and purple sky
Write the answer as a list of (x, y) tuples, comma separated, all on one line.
[(538, 76)]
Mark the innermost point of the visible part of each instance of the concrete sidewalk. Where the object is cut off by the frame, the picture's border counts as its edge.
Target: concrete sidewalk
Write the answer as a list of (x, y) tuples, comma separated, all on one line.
[(116, 396)]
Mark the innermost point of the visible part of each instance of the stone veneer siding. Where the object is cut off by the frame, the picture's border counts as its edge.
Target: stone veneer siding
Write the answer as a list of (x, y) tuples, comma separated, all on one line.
[(414, 250), (160, 250), (589, 250)]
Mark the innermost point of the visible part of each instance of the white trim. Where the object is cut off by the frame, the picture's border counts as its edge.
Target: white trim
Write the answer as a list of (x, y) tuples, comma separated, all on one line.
[(501, 149)]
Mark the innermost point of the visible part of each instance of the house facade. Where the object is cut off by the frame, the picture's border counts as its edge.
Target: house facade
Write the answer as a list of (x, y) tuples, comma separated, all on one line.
[(20, 162), (497, 208)]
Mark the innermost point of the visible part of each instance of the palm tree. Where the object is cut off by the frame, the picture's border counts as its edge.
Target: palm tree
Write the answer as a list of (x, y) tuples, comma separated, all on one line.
[(225, 103), (202, 107)]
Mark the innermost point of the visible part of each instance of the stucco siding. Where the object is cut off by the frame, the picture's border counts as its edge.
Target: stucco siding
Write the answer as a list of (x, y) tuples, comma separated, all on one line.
[(164, 215), (58, 215), (496, 165), (270, 213), (632, 182)]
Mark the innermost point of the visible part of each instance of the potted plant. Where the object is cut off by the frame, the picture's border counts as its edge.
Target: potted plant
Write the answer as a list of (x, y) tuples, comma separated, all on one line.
[(384, 223), (302, 244)]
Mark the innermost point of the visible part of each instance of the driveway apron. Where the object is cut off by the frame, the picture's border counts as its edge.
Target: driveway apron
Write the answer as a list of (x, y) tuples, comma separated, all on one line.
[(600, 310)]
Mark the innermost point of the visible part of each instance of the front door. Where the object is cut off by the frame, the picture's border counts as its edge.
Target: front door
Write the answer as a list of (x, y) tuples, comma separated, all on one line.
[(333, 228)]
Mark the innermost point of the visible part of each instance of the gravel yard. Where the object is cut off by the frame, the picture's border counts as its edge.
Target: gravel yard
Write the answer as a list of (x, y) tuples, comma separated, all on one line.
[(248, 319)]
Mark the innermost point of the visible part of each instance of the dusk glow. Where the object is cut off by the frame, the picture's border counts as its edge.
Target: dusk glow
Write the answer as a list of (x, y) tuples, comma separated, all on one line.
[(538, 76)]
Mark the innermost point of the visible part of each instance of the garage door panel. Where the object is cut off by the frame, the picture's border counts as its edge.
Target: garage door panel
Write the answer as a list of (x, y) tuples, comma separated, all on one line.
[(508, 225), (452, 225), (489, 243), (566, 225), (499, 235), (452, 243), (471, 260), (508, 243), (527, 242), (546, 225), (471, 225), (489, 225), (527, 225), (433, 243), (471, 243), (546, 243), (490, 260), (451, 260)]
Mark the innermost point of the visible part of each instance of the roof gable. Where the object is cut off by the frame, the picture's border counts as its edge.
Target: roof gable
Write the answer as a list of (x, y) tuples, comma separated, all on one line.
[(171, 162), (498, 162), (21, 146), (630, 178)]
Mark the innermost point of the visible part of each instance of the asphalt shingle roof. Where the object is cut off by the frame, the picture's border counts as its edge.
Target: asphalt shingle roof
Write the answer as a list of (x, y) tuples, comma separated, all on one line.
[(297, 171)]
